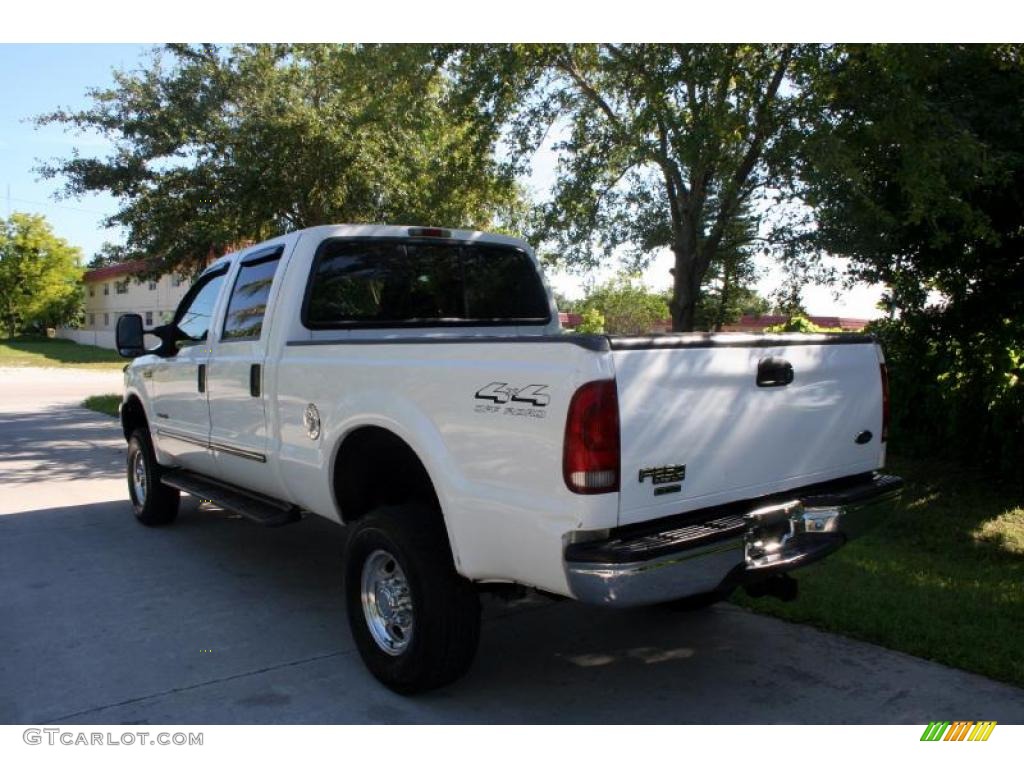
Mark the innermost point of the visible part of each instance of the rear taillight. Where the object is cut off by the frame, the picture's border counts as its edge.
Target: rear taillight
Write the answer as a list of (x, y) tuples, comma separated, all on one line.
[(885, 402), (590, 462)]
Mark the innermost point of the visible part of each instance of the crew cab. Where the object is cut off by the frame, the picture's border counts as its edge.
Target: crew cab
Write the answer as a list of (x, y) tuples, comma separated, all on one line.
[(415, 385)]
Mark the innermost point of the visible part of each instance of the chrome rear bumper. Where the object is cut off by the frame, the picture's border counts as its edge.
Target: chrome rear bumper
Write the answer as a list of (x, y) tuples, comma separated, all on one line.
[(719, 549)]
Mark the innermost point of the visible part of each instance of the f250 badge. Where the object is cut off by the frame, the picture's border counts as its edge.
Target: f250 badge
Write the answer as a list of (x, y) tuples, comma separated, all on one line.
[(505, 399), (661, 476)]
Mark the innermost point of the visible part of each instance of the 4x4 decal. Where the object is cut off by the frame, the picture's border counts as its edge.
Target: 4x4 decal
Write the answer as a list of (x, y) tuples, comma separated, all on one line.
[(501, 394)]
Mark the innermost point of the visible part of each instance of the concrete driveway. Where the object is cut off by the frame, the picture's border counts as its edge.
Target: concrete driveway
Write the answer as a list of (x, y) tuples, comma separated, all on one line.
[(217, 620)]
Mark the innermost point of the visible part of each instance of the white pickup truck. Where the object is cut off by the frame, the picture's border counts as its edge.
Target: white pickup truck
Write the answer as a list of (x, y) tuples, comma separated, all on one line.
[(414, 384)]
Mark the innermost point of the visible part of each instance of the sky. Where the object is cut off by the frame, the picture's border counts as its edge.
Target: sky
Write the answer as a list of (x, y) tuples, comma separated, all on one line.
[(35, 79)]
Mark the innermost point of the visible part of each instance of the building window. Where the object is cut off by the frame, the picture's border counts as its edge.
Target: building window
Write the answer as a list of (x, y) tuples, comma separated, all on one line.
[(106, 318), (92, 290), (177, 280), (149, 318), (152, 285), (106, 289), (121, 286)]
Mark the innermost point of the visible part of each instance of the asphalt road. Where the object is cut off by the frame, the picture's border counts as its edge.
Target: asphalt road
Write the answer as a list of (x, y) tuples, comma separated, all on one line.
[(217, 620)]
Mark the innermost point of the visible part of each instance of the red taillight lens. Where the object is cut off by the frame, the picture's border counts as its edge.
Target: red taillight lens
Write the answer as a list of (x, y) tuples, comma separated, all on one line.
[(590, 462), (885, 402)]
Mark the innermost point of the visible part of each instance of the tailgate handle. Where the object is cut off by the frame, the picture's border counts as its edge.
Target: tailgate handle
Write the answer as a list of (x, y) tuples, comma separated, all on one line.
[(774, 372)]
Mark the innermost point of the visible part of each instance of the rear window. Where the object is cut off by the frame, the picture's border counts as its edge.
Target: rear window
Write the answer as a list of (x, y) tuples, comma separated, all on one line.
[(383, 282)]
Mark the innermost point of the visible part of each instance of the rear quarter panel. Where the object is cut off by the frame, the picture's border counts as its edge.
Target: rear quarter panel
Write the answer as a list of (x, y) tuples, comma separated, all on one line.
[(495, 466)]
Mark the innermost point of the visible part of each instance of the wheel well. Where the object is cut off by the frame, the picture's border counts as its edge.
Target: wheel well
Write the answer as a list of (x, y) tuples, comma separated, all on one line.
[(375, 467), (133, 416)]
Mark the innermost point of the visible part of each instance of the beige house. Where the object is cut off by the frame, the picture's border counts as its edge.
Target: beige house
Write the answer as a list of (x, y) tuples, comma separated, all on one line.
[(114, 291)]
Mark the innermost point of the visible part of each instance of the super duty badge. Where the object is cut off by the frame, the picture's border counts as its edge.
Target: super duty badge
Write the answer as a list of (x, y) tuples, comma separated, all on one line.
[(661, 477)]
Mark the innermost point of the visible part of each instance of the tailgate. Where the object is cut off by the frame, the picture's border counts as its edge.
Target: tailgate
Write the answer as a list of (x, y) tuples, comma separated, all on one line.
[(697, 429)]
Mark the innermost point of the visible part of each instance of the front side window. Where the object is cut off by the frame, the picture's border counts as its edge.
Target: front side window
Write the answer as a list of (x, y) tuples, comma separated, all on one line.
[(248, 303), (423, 283), (196, 310)]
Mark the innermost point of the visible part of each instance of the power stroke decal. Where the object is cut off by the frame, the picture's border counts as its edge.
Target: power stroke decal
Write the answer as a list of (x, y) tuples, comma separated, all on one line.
[(530, 401)]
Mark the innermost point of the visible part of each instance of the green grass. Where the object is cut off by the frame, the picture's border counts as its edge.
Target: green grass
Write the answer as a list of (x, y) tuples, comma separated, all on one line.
[(41, 352), (941, 578), (103, 404)]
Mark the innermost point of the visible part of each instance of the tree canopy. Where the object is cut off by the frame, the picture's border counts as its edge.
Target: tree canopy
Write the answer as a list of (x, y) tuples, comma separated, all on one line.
[(916, 174), (664, 145), (625, 306), (216, 146), (39, 274)]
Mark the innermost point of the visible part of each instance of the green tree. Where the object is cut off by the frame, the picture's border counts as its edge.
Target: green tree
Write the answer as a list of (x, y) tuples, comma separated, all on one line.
[(39, 274), (717, 308), (625, 306), (592, 321), (665, 145), (797, 324), (216, 146), (916, 174)]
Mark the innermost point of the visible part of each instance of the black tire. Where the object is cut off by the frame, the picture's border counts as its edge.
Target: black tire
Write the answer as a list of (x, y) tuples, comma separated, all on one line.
[(697, 602), (158, 504), (444, 607)]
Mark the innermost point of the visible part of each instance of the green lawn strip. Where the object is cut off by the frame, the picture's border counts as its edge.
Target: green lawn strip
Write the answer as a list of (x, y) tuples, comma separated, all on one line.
[(942, 578), (41, 352), (103, 404)]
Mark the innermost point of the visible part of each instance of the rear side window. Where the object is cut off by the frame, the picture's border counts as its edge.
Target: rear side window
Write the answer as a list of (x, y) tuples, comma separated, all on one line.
[(423, 283), (248, 303)]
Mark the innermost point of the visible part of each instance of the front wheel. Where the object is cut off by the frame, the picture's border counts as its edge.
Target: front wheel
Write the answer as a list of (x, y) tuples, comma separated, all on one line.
[(153, 502), (415, 621)]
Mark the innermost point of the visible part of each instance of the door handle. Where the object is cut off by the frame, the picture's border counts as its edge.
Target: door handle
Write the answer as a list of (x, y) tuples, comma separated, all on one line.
[(201, 381), (254, 380), (774, 372)]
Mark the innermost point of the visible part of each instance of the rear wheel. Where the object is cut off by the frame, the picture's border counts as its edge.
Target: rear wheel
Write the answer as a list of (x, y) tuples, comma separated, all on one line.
[(153, 502), (415, 621)]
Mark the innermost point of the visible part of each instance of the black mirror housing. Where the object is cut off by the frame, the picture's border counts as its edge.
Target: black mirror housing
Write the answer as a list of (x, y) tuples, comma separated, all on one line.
[(129, 336)]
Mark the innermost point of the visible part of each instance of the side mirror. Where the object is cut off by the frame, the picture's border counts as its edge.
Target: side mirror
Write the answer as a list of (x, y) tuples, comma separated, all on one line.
[(129, 336)]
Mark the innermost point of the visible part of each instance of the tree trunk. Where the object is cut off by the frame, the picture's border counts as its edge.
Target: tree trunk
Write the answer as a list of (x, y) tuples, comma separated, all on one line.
[(686, 287)]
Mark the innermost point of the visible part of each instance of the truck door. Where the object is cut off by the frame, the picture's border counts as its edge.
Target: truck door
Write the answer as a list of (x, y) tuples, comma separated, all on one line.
[(182, 415), (238, 430)]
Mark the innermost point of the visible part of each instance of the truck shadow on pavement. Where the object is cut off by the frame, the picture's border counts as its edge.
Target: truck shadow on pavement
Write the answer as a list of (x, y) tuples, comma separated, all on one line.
[(215, 619)]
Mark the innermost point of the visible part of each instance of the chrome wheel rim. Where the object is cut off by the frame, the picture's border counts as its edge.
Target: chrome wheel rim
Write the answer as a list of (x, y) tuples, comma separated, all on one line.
[(387, 602), (138, 475)]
